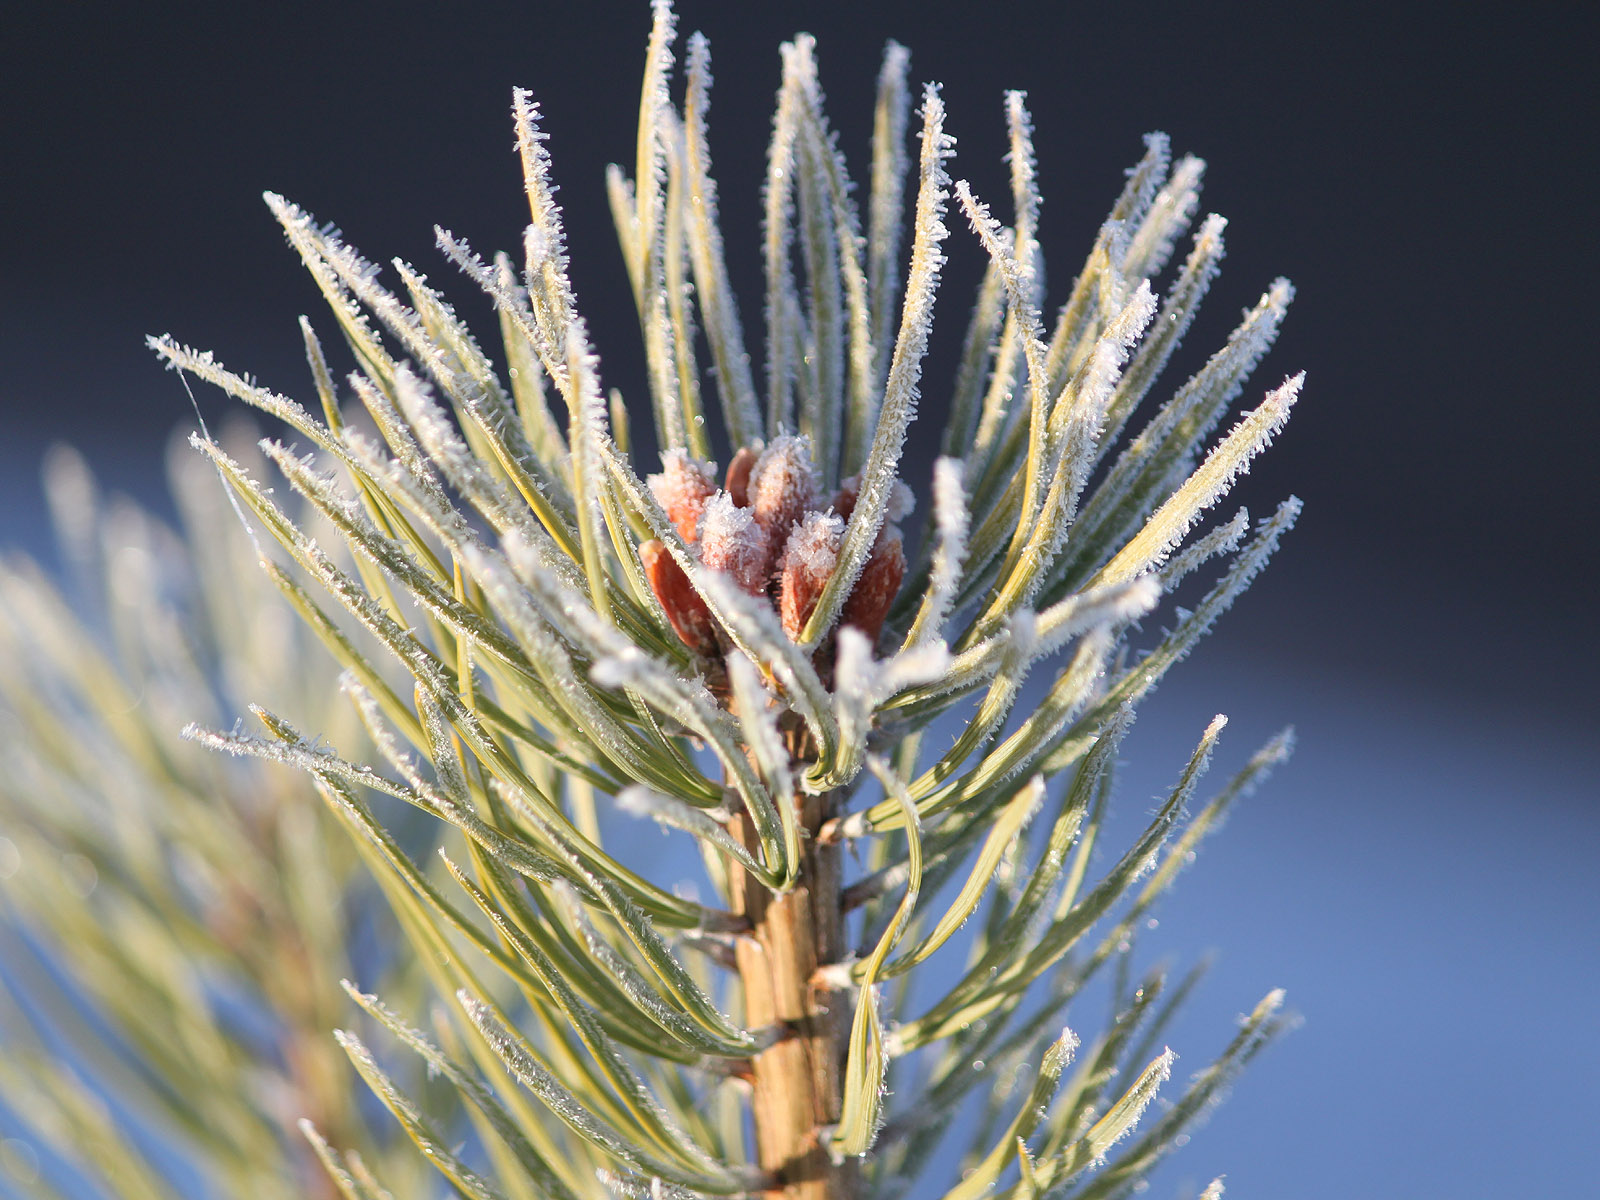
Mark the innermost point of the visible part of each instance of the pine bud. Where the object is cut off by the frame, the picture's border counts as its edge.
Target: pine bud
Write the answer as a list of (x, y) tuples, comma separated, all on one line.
[(880, 580), (783, 485), (690, 617), (844, 500), (808, 560), (902, 501), (738, 484), (733, 541), (682, 488)]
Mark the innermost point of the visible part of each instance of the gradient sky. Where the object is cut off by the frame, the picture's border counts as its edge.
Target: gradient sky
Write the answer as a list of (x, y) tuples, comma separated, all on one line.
[(1422, 174), (1420, 179)]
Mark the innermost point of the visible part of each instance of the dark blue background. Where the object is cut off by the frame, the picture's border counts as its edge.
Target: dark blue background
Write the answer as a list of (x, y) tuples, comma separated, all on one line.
[(1421, 878)]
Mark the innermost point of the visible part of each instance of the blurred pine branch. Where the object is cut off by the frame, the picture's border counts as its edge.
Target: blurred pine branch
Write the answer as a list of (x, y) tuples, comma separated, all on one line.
[(537, 639)]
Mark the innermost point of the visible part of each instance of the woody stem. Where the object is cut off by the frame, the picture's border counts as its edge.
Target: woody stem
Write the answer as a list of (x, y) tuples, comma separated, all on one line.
[(798, 1081)]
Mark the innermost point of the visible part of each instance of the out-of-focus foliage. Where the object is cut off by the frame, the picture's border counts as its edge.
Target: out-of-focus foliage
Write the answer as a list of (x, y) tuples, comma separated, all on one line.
[(174, 924)]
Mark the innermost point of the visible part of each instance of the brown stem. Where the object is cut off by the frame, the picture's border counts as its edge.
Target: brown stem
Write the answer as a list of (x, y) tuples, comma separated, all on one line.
[(798, 1081)]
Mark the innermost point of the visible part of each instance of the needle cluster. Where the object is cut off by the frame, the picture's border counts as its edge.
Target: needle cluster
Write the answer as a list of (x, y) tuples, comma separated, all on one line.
[(539, 635)]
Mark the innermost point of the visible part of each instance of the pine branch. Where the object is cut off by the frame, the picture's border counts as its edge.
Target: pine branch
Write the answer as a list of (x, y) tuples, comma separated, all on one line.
[(540, 636)]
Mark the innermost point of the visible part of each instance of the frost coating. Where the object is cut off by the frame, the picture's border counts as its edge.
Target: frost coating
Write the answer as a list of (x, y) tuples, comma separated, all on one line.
[(682, 488), (734, 541), (809, 557), (783, 485), (1223, 465)]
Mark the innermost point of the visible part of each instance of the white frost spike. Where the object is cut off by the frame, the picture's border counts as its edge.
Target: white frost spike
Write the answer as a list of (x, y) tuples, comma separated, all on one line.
[(543, 561), (324, 252), (1190, 629), (379, 732), (587, 408), (318, 247), (205, 365), (783, 304), (910, 668), (515, 302), (243, 745), (1081, 411), (536, 171), (649, 167), (1018, 277), (1075, 424), (829, 243), (651, 228), (861, 684), (1177, 313), (1076, 615), (757, 718), (1050, 629), (409, 466), (1250, 563), (1143, 180), (1125, 1113), (1090, 391), (1164, 445), (1230, 459), (536, 1076), (435, 432), (412, 1118)]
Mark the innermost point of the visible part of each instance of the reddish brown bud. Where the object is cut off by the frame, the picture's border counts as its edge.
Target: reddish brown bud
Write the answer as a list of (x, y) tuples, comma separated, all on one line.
[(738, 485), (899, 507), (808, 560), (690, 617), (682, 488), (880, 580), (844, 500), (731, 540), (783, 485)]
